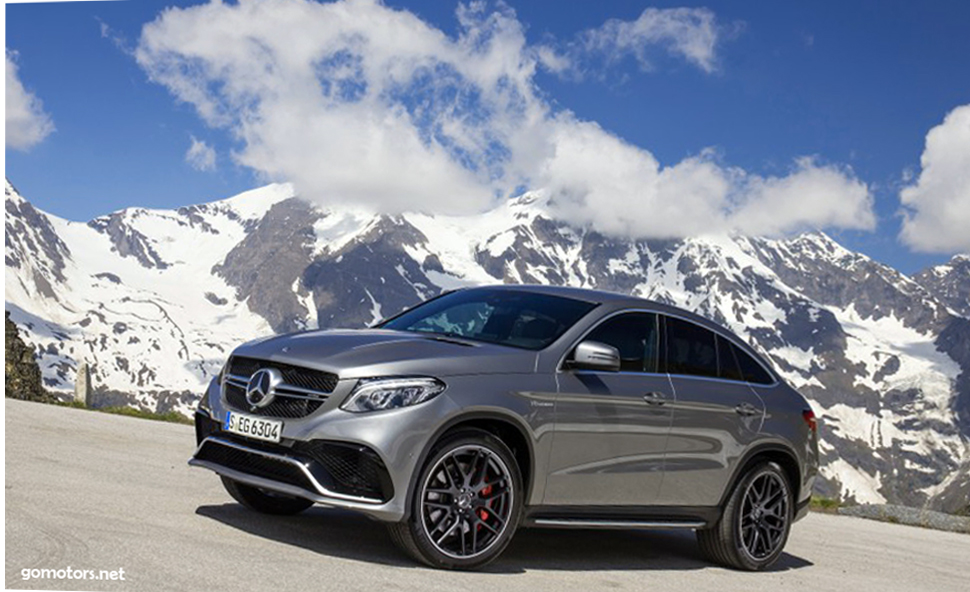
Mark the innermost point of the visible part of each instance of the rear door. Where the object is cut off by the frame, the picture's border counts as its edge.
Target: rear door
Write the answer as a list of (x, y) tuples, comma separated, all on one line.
[(611, 427), (716, 414)]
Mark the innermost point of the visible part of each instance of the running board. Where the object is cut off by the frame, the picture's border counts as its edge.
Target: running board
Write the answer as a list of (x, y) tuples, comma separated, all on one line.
[(592, 523)]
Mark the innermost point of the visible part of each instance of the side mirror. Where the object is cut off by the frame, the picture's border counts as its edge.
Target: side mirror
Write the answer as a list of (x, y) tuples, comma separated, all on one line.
[(593, 355)]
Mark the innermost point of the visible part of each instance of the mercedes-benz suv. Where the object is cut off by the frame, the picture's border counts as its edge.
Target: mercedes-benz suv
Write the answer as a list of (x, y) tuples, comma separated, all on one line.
[(487, 409)]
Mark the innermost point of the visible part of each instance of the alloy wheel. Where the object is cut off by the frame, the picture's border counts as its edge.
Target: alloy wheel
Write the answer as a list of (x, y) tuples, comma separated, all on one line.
[(466, 501), (764, 516)]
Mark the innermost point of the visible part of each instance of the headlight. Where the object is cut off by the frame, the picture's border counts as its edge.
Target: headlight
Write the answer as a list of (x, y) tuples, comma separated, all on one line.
[(378, 394)]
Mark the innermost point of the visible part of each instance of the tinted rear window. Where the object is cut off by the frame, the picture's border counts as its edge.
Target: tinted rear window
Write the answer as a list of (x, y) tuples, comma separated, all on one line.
[(727, 360), (691, 349), (505, 317), (752, 371)]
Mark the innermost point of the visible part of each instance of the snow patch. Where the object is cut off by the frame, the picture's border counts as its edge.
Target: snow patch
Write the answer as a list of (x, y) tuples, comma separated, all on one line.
[(855, 482)]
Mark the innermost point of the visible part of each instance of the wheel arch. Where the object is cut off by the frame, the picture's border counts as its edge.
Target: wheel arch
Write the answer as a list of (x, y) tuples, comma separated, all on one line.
[(769, 452), (512, 431)]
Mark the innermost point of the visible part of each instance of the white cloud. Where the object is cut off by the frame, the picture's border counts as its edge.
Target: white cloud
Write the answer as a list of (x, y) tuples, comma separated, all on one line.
[(200, 156), (26, 122), (689, 32), (621, 189), (936, 208), (114, 36), (554, 61), (357, 102), (812, 195)]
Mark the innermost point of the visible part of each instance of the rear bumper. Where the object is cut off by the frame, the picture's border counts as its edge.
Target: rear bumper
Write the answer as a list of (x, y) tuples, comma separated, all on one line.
[(336, 474), (801, 508)]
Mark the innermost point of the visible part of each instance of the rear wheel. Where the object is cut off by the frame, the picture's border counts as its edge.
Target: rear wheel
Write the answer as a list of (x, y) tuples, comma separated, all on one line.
[(466, 505), (263, 501), (752, 532)]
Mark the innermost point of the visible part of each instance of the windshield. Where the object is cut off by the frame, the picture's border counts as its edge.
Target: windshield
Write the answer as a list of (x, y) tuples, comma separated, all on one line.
[(506, 317)]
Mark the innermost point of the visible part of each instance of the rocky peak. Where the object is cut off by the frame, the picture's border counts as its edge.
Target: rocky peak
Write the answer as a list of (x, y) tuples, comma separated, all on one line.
[(950, 282), (126, 240), (823, 270), (32, 243), (264, 268)]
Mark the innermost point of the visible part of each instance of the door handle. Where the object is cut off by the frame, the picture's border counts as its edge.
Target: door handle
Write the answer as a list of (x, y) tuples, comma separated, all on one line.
[(747, 410), (655, 398)]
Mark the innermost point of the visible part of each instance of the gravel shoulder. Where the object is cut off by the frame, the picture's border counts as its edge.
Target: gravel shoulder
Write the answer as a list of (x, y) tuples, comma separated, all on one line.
[(95, 491), (909, 516)]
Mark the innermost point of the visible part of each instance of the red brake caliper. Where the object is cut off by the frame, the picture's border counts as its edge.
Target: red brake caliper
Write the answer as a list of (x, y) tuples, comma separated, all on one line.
[(482, 513)]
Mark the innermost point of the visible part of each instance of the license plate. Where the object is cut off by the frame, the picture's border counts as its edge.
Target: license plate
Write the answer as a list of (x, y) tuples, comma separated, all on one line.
[(253, 427)]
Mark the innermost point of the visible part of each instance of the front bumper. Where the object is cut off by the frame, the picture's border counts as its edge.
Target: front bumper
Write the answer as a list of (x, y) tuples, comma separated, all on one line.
[(362, 462), (332, 473)]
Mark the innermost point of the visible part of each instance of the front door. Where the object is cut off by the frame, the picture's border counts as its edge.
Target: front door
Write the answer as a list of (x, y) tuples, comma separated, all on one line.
[(611, 427)]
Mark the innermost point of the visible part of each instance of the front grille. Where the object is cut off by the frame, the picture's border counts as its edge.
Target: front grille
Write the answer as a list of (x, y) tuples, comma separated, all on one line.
[(254, 464), (306, 378), (287, 404), (355, 470), (281, 406)]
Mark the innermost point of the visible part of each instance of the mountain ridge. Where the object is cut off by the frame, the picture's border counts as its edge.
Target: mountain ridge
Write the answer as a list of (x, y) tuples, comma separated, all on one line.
[(155, 299)]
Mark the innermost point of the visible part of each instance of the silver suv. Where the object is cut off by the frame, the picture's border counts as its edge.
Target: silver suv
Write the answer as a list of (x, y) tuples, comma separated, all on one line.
[(487, 409)]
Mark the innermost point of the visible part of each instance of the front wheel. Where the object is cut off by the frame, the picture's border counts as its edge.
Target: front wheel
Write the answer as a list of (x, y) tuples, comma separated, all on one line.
[(752, 532), (466, 505), (263, 501)]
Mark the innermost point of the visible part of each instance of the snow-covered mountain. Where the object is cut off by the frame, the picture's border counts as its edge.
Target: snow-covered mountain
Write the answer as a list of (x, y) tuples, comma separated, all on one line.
[(950, 282), (154, 300)]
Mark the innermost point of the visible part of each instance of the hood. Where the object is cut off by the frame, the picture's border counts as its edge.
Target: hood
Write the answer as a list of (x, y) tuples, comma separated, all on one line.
[(369, 353)]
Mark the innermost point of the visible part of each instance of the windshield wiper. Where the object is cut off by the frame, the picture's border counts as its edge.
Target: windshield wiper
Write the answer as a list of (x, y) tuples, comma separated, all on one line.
[(446, 337)]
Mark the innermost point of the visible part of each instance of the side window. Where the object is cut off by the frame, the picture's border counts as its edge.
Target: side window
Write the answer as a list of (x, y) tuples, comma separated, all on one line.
[(635, 336), (691, 349), (752, 371), (728, 368)]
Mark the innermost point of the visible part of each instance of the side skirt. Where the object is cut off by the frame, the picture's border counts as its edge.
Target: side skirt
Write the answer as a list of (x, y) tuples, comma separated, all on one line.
[(635, 517)]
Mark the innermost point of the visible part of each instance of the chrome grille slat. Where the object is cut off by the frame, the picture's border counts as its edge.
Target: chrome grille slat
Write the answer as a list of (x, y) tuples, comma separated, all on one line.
[(294, 398), (288, 389), (299, 376), (284, 406), (239, 381), (301, 393)]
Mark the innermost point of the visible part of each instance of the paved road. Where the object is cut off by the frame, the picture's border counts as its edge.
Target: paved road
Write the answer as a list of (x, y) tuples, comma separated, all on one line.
[(93, 491)]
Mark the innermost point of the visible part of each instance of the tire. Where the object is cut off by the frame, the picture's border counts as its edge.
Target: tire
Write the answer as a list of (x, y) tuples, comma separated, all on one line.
[(466, 503), (263, 501), (753, 528)]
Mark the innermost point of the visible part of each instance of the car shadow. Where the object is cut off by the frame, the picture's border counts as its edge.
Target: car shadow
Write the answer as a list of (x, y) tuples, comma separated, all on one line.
[(341, 533)]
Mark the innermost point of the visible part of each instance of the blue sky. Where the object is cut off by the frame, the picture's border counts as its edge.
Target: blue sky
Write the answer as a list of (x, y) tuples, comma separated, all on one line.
[(857, 86)]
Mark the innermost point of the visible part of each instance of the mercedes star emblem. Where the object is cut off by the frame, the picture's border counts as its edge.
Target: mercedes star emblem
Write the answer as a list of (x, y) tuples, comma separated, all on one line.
[(261, 389)]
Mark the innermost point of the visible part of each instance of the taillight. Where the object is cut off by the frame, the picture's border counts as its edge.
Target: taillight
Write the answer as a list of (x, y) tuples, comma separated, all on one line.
[(809, 416)]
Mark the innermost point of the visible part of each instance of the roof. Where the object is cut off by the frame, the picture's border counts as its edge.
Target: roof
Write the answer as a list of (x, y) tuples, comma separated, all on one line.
[(593, 296)]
